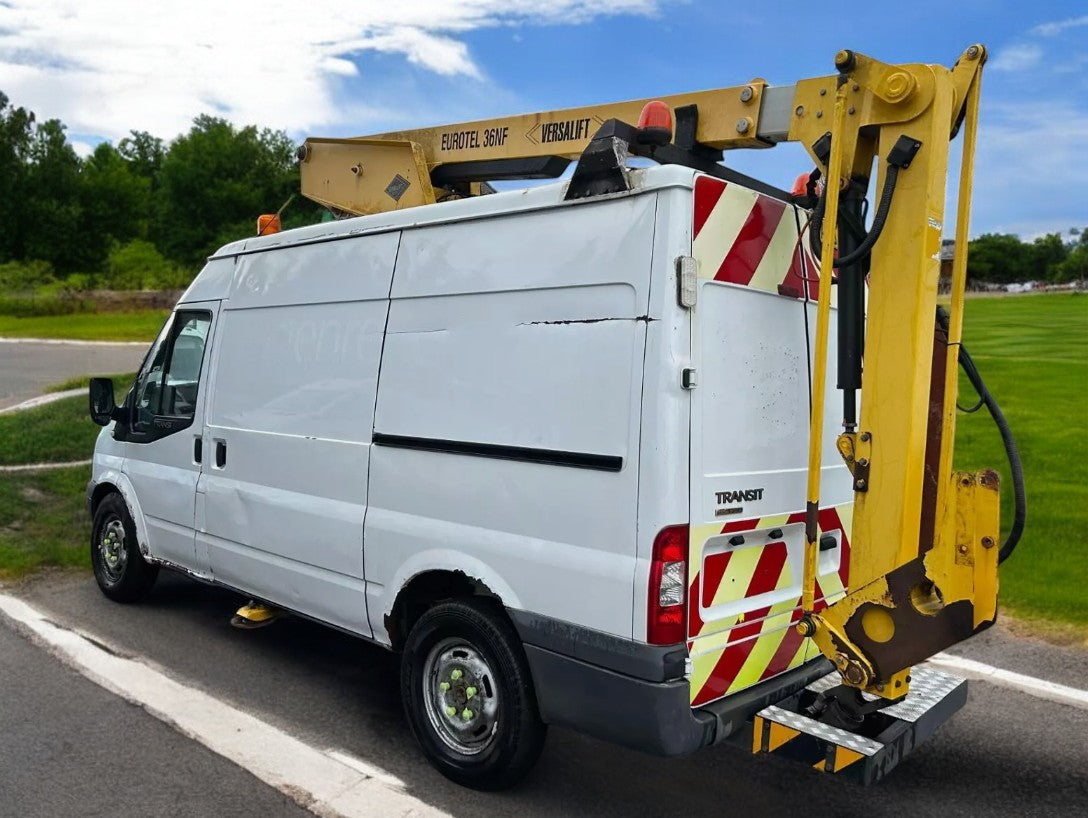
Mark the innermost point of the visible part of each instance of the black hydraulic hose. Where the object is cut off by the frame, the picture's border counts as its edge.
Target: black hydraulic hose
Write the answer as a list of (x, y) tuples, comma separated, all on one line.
[(880, 218), (1020, 504)]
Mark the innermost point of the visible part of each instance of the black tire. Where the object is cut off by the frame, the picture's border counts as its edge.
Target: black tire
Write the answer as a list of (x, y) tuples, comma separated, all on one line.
[(500, 740), (120, 570)]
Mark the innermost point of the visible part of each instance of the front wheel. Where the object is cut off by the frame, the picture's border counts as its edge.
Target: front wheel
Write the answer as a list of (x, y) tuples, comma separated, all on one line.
[(468, 695), (122, 573)]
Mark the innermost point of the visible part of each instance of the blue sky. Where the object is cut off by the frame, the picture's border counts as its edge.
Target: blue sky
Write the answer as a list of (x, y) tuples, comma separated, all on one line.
[(367, 66)]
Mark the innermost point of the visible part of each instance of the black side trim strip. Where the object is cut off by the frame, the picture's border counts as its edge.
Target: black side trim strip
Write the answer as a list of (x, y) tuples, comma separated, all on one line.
[(551, 457)]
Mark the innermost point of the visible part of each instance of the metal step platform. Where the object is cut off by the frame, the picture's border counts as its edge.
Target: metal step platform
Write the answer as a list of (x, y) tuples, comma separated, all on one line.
[(885, 738)]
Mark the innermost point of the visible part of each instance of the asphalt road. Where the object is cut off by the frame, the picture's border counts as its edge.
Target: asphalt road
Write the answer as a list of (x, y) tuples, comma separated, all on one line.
[(27, 368), (1006, 753), (68, 747)]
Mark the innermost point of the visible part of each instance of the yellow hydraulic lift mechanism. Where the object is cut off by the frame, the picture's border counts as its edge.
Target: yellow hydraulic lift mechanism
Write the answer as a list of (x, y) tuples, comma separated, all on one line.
[(923, 563)]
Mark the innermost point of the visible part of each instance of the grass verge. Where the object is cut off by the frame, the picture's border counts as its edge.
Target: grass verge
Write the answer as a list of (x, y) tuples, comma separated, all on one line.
[(43, 520), (121, 382), (1032, 351), (54, 433), (139, 325)]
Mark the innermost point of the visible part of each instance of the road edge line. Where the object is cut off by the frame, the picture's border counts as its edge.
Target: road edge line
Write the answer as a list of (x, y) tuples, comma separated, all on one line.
[(1031, 685), (331, 784), (44, 400)]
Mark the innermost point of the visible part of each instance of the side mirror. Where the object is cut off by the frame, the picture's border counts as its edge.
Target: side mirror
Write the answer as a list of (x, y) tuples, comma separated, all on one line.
[(102, 404)]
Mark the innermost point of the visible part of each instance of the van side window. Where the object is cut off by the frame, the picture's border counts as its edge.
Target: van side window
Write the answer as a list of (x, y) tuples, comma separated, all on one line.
[(167, 386)]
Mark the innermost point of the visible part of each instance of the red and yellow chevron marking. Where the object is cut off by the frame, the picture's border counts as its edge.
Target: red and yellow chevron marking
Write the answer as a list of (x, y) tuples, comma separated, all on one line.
[(747, 238), (732, 653)]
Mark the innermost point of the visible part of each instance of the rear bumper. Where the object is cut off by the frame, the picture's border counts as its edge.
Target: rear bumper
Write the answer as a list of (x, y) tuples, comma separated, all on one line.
[(652, 716)]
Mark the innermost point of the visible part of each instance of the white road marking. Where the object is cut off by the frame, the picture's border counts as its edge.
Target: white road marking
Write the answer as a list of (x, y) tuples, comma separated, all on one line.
[(73, 342), (44, 466), (42, 400), (328, 783), (1040, 688)]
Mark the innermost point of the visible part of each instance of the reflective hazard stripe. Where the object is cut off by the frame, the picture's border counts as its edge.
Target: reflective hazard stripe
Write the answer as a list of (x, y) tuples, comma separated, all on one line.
[(751, 239), (733, 653)]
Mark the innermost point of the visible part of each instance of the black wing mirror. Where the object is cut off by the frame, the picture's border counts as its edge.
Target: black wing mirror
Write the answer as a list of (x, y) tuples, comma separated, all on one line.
[(102, 405)]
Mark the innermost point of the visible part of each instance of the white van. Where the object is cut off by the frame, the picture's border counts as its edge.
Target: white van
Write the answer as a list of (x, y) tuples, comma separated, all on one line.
[(550, 451)]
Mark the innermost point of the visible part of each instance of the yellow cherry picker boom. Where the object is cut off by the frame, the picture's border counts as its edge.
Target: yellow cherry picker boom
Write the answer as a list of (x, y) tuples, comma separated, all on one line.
[(924, 537)]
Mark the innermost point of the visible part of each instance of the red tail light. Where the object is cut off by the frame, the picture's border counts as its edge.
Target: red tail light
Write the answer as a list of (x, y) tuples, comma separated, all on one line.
[(666, 600)]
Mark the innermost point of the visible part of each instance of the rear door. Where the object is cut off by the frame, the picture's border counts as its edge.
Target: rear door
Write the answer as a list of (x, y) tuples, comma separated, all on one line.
[(749, 439)]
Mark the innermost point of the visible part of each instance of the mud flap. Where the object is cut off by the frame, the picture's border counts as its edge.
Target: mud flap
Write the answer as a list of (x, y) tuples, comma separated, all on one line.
[(886, 738)]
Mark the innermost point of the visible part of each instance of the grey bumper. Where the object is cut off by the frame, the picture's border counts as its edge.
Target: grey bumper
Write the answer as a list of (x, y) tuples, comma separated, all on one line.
[(633, 694), (91, 485)]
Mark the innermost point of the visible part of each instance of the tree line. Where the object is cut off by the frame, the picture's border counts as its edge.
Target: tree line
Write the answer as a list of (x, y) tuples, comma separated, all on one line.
[(1002, 258), (143, 213), (146, 213)]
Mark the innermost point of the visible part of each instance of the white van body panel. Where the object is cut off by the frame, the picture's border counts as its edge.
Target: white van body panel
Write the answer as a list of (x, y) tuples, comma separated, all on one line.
[(213, 283), (500, 335), (292, 405), (666, 405)]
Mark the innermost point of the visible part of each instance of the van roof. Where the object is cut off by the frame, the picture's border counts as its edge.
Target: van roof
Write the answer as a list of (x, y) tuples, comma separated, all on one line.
[(643, 180)]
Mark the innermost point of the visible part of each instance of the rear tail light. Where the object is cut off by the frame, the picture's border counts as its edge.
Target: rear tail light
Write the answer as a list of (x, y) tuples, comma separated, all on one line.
[(667, 597)]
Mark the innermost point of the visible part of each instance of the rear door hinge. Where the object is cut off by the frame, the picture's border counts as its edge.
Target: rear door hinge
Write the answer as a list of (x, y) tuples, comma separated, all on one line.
[(688, 379), (687, 281)]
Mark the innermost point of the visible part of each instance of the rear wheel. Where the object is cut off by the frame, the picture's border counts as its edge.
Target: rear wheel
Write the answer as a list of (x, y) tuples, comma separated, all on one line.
[(122, 573), (469, 697)]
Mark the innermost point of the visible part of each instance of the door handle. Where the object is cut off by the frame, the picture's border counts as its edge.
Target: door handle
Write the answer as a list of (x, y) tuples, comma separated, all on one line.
[(198, 448), (220, 454)]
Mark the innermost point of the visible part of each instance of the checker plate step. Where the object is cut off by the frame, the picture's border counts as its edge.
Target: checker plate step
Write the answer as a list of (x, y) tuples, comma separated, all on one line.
[(887, 738)]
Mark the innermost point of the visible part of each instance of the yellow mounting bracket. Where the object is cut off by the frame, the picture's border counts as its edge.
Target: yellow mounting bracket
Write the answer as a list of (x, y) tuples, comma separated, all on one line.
[(366, 175), (918, 583)]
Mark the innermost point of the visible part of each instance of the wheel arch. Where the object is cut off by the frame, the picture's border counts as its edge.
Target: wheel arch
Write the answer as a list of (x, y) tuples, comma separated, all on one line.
[(114, 482), (428, 587)]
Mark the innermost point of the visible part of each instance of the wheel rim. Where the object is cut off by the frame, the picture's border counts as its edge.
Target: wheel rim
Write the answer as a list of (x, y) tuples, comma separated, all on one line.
[(461, 696), (111, 549)]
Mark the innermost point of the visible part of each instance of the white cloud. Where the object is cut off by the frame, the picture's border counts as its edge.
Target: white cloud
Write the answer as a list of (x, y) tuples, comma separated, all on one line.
[(1058, 26), (109, 66), (82, 149), (1030, 169), (1016, 58)]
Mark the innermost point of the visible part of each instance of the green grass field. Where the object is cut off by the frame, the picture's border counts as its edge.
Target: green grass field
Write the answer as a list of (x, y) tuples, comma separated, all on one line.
[(1032, 351), (55, 433), (43, 520), (140, 325)]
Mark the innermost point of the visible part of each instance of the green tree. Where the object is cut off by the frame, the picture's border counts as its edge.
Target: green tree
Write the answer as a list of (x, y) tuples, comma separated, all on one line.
[(1046, 255), (215, 181), (16, 131), (145, 154), (1000, 258), (52, 209), (116, 202), (1075, 265)]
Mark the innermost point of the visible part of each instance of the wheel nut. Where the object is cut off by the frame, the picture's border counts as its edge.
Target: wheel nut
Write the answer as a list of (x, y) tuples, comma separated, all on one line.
[(443, 686), (451, 711), (466, 715), (470, 692), (455, 675)]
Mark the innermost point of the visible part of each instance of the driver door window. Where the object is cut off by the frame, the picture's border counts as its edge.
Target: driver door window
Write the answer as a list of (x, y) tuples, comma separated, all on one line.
[(166, 389)]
